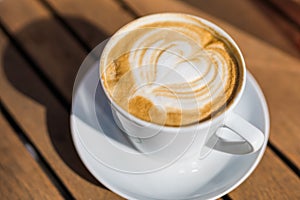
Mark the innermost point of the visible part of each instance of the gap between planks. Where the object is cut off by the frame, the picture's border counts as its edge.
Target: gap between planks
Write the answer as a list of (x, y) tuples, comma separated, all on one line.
[(54, 90), (35, 154)]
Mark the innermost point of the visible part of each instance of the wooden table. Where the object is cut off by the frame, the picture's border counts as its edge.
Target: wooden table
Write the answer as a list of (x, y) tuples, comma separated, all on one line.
[(42, 44)]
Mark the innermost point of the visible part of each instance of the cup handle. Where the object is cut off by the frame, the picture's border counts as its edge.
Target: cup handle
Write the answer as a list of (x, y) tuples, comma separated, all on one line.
[(253, 138)]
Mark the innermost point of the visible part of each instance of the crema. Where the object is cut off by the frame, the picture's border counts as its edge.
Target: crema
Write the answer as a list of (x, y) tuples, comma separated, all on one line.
[(170, 69)]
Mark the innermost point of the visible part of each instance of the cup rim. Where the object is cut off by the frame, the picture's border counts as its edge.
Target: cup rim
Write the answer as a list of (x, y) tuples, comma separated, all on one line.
[(202, 124)]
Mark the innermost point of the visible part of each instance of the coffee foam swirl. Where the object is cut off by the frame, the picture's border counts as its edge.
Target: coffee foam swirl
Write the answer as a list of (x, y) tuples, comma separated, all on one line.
[(171, 71)]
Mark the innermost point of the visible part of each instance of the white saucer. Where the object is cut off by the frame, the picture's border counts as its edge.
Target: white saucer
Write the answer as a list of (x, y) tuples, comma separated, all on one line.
[(102, 148)]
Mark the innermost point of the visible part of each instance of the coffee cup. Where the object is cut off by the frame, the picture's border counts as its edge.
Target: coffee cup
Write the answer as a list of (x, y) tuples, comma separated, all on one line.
[(173, 81)]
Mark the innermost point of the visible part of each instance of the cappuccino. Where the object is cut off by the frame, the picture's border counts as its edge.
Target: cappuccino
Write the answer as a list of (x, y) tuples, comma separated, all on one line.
[(170, 69)]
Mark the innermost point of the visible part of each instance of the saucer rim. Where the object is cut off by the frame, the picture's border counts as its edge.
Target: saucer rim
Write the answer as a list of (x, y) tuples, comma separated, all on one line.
[(265, 110), (262, 150)]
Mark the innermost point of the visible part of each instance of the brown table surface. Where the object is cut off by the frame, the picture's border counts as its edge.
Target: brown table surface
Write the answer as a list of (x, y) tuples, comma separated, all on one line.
[(42, 44)]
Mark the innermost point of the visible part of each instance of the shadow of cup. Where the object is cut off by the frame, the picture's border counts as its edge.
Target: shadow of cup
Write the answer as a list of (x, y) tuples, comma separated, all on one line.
[(44, 41)]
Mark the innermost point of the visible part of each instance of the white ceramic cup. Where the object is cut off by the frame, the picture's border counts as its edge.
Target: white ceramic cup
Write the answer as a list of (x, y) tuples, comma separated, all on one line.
[(196, 139)]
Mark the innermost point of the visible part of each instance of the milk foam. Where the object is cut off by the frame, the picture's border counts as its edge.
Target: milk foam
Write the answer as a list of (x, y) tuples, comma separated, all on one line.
[(171, 70)]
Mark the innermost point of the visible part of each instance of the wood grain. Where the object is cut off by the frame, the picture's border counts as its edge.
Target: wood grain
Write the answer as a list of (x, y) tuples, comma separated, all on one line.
[(21, 176), (104, 16), (286, 27), (291, 8), (52, 48), (271, 180), (253, 17), (46, 123), (278, 74)]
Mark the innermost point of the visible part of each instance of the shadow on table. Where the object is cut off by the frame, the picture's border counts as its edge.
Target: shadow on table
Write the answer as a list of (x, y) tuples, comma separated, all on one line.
[(44, 36)]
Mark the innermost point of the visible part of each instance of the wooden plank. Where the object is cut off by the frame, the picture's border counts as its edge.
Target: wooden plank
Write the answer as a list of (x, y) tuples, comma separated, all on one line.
[(21, 176), (284, 26), (42, 36), (276, 71), (46, 41), (94, 21), (252, 17), (291, 8), (271, 180), (46, 122)]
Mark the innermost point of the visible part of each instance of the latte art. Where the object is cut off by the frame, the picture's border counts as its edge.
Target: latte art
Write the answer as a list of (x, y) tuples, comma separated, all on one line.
[(172, 70)]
